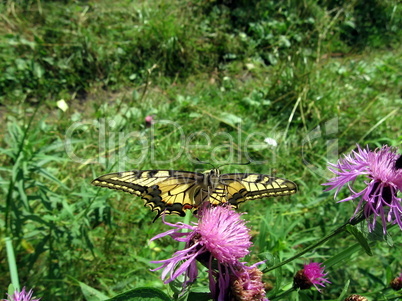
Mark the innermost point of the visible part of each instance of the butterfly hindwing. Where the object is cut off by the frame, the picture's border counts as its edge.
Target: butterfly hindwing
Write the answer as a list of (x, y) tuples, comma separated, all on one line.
[(232, 191)]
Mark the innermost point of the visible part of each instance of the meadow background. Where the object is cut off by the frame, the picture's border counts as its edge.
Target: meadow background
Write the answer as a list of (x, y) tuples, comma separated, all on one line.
[(78, 79)]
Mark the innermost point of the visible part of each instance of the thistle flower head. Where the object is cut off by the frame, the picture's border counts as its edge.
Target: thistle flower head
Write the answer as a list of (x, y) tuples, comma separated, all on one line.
[(247, 285), (383, 180), (21, 296), (224, 234), (311, 274), (355, 297), (396, 284), (149, 120), (219, 240)]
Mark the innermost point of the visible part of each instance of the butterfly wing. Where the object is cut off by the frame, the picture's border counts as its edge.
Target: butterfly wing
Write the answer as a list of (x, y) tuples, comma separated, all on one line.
[(168, 191), (237, 188)]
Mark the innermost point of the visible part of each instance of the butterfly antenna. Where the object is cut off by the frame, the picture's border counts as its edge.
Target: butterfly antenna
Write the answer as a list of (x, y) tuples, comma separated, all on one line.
[(247, 163), (203, 162)]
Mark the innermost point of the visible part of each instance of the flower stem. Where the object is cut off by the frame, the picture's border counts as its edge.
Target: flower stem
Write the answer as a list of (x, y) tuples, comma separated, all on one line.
[(284, 294), (353, 221)]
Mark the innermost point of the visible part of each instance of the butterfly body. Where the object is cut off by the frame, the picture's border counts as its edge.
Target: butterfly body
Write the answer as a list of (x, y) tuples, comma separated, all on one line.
[(174, 191)]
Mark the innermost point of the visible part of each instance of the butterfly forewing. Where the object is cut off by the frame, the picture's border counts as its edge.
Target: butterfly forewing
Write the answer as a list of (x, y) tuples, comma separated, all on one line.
[(166, 191), (257, 186)]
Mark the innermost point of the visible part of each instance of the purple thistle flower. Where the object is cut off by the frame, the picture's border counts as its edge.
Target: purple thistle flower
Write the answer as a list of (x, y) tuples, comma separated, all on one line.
[(219, 240), (384, 180), (396, 284), (224, 234), (149, 120), (247, 285), (311, 274), (21, 296), (355, 297)]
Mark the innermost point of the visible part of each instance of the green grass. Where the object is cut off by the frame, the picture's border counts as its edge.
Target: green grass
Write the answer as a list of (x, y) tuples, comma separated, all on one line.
[(219, 77)]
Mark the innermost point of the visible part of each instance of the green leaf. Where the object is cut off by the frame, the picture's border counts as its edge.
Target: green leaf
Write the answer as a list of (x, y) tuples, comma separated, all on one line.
[(12, 263), (143, 293), (51, 177), (388, 239), (196, 294), (302, 296), (22, 195), (344, 255), (284, 42), (294, 295), (38, 219), (377, 234), (183, 296), (7, 152), (38, 71), (344, 291), (230, 119), (11, 289), (360, 238), (199, 296), (91, 294), (177, 286)]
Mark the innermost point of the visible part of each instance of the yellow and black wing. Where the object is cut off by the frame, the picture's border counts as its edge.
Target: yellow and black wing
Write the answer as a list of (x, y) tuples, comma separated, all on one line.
[(168, 191), (237, 188), (173, 191)]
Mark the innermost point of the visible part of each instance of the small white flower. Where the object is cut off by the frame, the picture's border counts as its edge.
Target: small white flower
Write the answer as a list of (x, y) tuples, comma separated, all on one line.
[(271, 142)]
